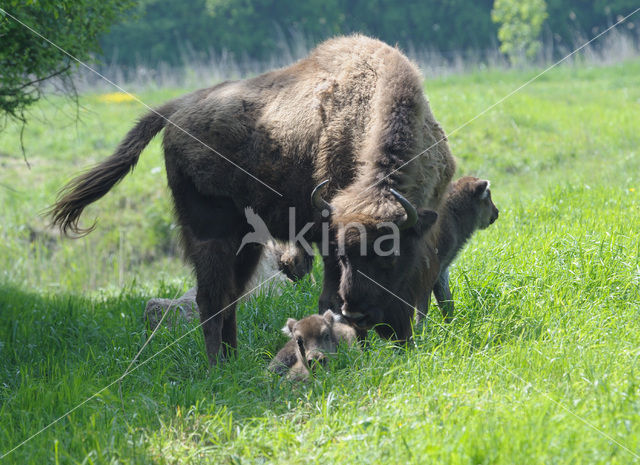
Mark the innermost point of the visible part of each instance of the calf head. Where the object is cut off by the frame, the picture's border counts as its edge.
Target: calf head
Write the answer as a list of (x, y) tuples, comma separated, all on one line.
[(318, 336), (294, 261), (472, 200), (379, 248)]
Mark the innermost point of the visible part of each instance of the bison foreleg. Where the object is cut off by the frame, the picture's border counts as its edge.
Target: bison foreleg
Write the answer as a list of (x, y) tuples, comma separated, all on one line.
[(229, 333), (443, 295), (211, 320), (329, 299), (423, 306)]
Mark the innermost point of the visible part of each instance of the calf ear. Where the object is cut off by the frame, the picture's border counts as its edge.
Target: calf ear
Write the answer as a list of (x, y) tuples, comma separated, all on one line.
[(481, 188), (331, 317), (288, 328), (426, 219)]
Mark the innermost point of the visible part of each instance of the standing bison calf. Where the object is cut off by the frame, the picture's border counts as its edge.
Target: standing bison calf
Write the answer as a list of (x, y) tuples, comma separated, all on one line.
[(467, 207), (353, 113), (313, 339)]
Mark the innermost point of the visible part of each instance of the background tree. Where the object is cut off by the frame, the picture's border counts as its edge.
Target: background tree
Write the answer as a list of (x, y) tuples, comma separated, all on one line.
[(27, 61), (177, 31), (571, 22), (174, 31), (520, 26)]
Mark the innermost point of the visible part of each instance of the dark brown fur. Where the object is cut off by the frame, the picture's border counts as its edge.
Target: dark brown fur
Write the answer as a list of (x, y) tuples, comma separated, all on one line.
[(313, 339), (352, 112), (466, 208)]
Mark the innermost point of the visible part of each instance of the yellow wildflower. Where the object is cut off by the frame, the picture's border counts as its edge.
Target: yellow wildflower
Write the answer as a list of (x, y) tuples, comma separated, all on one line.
[(116, 97)]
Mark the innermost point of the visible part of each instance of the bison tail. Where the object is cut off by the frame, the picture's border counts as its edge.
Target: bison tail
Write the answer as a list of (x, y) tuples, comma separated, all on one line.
[(97, 181)]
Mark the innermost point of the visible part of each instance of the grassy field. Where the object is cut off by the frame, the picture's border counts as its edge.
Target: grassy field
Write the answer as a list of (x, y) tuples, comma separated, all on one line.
[(539, 365)]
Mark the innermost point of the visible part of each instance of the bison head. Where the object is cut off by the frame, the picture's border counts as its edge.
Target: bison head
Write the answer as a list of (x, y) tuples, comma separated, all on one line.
[(470, 200), (315, 337), (382, 258)]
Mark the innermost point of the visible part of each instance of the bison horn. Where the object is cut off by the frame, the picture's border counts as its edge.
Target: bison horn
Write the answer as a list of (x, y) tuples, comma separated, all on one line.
[(318, 202), (412, 214)]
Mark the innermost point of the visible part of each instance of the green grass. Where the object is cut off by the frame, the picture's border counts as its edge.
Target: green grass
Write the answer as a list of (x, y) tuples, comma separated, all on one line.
[(539, 365)]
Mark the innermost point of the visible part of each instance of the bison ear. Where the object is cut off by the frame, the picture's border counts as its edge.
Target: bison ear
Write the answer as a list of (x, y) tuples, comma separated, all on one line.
[(481, 188), (288, 328), (426, 219)]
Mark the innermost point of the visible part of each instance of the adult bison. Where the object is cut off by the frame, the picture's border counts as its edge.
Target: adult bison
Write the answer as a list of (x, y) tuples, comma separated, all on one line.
[(352, 112)]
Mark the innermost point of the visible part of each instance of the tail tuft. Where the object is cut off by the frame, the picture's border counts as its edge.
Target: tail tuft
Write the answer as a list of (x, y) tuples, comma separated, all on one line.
[(84, 190), (97, 181)]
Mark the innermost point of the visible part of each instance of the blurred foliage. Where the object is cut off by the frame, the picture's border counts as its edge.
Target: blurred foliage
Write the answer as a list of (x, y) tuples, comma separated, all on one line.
[(173, 31), (27, 60), (150, 32), (571, 22), (520, 25)]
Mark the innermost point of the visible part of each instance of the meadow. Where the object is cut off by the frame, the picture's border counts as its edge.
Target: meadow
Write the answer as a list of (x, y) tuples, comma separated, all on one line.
[(540, 364)]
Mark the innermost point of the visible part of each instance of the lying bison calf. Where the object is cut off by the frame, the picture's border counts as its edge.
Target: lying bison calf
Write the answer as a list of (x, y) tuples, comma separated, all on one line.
[(183, 308), (466, 208), (313, 339), (293, 261)]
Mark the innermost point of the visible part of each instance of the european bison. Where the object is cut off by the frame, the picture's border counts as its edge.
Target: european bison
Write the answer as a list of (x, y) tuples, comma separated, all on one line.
[(353, 113), (313, 339), (466, 208)]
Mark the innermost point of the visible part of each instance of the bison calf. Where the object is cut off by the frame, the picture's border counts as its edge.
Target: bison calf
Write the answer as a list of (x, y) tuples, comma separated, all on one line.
[(313, 339), (466, 208), (183, 308)]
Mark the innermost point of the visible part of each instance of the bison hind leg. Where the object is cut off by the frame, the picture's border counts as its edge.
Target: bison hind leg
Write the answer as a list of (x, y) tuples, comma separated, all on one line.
[(221, 277)]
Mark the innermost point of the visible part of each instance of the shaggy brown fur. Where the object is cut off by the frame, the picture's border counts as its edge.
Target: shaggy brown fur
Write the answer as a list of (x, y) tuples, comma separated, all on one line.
[(377, 296), (352, 112), (467, 207), (313, 339)]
